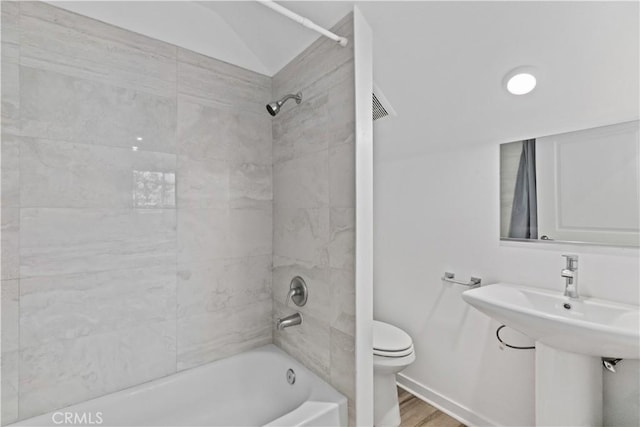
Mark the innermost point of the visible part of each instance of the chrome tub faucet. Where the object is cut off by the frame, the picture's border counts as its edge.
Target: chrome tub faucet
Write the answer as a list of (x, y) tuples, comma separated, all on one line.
[(570, 273), (288, 321)]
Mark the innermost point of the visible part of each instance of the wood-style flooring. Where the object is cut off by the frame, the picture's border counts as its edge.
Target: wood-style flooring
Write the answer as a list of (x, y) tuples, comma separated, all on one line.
[(416, 413)]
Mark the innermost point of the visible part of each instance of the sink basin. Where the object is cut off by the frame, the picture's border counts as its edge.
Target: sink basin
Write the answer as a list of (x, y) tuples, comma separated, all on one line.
[(587, 326)]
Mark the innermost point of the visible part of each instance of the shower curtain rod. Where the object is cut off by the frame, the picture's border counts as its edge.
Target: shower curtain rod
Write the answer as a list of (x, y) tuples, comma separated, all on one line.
[(342, 41)]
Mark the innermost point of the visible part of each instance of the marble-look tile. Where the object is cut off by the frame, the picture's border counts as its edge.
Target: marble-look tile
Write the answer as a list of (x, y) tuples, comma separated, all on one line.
[(301, 234), (309, 342), (342, 246), (10, 315), (56, 174), (301, 129), (58, 40), (251, 140), (64, 241), (302, 182), (10, 81), (250, 230), (10, 179), (342, 177), (319, 304), (76, 305), (317, 62), (10, 22), (249, 183), (343, 301), (203, 235), (202, 183), (342, 114), (204, 132), (219, 284), (216, 83), (60, 107), (10, 243), (214, 335), (10, 67), (64, 372), (154, 180), (343, 366), (211, 132), (10, 386)]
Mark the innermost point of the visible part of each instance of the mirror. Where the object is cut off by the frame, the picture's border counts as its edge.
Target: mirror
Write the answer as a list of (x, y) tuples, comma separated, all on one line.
[(577, 187)]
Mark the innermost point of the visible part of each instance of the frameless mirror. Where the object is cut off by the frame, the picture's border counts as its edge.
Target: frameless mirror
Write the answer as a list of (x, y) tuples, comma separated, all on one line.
[(578, 187)]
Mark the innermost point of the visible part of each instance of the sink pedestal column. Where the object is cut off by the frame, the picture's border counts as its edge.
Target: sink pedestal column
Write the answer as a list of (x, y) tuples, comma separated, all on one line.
[(568, 388)]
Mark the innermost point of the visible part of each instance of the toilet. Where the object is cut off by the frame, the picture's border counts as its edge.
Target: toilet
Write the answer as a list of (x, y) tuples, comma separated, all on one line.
[(392, 352)]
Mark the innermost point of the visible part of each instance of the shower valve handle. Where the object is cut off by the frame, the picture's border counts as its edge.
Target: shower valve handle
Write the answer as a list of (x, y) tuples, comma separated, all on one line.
[(298, 292)]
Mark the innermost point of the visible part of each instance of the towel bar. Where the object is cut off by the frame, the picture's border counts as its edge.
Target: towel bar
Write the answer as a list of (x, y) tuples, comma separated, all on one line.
[(473, 283)]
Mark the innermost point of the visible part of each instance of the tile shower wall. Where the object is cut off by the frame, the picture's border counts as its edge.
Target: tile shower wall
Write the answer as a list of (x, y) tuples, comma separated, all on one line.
[(314, 208), (136, 209)]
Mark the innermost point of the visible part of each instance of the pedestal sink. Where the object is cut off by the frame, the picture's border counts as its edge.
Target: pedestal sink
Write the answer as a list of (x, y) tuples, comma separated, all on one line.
[(571, 337)]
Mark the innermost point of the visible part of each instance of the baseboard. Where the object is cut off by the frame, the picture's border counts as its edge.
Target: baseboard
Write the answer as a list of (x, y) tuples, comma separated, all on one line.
[(443, 403)]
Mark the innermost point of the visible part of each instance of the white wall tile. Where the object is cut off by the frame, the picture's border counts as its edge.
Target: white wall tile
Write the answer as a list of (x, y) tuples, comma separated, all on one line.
[(76, 305), (10, 197), (342, 247), (56, 40), (251, 230), (219, 84), (202, 184), (302, 234), (302, 182), (57, 106), (10, 298), (203, 234), (10, 386), (60, 174), (342, 176), (63, 372), (217, 334), (62, 241), (226, 283), (10, 243)]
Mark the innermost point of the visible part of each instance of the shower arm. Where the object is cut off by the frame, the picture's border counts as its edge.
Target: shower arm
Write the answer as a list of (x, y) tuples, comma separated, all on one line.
[(342, 41), (297, 97)]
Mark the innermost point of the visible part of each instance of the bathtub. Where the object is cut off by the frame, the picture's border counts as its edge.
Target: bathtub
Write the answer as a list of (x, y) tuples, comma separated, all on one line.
[(249, 389)]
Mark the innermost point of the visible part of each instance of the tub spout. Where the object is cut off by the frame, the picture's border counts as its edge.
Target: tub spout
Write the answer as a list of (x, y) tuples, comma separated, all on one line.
[(292, 320)]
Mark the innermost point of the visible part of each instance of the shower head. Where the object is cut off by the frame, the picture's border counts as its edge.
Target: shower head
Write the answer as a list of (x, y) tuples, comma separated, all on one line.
[(274, 107)]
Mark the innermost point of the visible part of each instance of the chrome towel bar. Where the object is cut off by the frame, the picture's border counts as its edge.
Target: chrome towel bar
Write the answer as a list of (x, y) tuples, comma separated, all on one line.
[(473, 283)]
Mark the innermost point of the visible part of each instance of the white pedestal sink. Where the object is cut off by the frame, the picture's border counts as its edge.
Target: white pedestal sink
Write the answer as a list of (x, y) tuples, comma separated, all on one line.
[(571, 337)]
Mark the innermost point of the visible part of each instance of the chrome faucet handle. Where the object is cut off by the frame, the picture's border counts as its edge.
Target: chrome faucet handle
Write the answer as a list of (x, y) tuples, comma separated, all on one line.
[(572, 261), (292, 292), (570, 273), (298, 292)]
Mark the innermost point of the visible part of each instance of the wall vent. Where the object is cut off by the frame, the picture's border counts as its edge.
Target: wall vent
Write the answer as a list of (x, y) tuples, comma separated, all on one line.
[(378, 110), (381, 107)]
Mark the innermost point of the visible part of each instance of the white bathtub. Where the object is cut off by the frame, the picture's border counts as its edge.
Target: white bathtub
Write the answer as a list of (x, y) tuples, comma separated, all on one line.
[(249, 389)]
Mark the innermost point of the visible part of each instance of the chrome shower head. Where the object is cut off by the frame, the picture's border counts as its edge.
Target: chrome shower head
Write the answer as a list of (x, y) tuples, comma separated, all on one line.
[(274, 107)]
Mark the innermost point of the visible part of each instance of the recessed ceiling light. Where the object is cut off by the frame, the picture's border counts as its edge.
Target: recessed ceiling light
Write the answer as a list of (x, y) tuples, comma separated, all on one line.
[(139, 138), (520, 81)]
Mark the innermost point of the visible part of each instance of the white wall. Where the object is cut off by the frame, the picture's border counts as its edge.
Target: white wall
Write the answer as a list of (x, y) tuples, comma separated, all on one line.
[(440, 212)]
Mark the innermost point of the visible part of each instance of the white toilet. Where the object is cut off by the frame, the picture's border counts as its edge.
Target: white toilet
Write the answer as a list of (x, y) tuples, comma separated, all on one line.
[(392, 352)]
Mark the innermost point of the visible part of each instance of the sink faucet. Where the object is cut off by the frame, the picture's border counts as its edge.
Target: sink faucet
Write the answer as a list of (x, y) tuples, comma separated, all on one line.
[(292, 320), (570, 273)]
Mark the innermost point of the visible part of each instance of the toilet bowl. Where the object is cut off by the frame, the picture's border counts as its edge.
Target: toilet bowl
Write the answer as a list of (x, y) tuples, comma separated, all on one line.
[(392, 352)]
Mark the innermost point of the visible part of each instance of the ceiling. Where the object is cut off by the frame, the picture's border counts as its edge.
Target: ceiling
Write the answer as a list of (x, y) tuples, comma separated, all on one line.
[(440, 64)]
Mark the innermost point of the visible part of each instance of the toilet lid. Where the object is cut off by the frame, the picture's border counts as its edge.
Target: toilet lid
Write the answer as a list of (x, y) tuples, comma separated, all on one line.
[(390, 341)]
